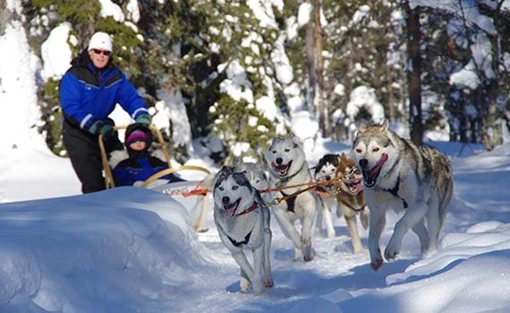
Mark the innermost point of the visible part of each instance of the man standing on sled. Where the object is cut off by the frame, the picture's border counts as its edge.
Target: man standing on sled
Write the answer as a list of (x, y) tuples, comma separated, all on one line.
[(89, 92)]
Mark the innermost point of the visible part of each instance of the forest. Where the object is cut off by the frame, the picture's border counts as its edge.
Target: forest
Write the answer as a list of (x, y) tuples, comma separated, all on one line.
[(433, 65)]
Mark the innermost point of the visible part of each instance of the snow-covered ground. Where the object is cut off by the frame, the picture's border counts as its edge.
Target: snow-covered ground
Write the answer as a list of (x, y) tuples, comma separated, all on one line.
[(134, 250)]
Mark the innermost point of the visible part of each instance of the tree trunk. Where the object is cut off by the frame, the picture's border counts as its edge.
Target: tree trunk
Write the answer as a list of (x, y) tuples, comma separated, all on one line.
[(414, 73), (319, 92), (5, 16), (311, 68), (391, 99)]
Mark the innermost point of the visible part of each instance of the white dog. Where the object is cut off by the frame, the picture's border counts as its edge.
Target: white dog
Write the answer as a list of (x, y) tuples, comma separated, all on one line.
[(288, 168), (400, 175), (242, 220)]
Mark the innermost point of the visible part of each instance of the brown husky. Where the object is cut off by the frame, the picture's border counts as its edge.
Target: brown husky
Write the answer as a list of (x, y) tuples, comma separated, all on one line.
[(351, 201)]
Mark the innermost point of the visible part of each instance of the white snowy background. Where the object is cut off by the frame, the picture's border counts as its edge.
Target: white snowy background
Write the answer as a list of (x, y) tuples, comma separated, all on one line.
[(134, 250)]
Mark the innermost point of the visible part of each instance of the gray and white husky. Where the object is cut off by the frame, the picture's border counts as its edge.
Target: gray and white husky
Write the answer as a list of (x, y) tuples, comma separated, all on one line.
[(398, 174), (242, 221), (289, 172), (255, 174)]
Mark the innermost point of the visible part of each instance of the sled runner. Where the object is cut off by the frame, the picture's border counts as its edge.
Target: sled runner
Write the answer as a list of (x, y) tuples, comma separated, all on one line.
[(191, 194)]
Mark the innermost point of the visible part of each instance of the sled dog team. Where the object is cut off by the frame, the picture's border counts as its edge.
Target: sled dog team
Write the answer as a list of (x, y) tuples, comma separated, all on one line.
[(385, 172)]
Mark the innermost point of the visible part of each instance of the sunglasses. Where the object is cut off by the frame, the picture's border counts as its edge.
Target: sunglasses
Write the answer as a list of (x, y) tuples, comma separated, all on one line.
[(107, 53)]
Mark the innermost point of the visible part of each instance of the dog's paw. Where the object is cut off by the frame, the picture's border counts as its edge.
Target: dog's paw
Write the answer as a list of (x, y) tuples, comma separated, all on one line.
[(391, 251), (376, 265), (268, 283), (244, 285), (307, 250), (428, 253), (308, 255), (390, 255), (376, 259)]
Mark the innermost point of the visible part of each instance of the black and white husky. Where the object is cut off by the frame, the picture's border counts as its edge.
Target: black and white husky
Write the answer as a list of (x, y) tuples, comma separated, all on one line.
[(325, 171), (289, 173), (397, 174), (242, 221)]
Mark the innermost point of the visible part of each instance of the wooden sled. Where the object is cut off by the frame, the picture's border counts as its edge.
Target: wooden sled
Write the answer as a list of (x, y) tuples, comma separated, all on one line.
[(188, 193)]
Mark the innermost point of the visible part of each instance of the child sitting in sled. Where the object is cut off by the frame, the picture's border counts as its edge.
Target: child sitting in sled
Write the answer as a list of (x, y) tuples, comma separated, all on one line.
[(141, 164)]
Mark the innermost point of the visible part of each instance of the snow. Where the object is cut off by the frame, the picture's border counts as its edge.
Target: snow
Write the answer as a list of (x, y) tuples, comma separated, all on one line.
[(134, 250), (130, 249), (363, 96), (17, 77), (57, 57)]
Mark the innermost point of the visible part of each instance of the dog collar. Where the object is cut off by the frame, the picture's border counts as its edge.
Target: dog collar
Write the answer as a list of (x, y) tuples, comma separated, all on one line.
[(285, 179), (250, 209)]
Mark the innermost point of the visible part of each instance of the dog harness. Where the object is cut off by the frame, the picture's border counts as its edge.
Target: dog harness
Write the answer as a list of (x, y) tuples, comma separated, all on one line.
[(351, 207), (237, 244), (291, 202), (394, 191)]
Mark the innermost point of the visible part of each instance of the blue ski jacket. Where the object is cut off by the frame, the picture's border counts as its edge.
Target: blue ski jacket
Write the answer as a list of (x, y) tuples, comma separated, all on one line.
[(127, 172), (88, 94)]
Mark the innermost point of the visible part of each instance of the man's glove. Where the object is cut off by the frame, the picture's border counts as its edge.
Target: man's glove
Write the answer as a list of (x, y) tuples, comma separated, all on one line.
[(144, 119), (95, 127), (106, 130), (100, 127)]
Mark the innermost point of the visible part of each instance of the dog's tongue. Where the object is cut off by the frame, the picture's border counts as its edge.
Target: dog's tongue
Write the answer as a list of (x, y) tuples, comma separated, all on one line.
[(370, 176), (230, 210), (281, 169), (229, 213), (356, 187)]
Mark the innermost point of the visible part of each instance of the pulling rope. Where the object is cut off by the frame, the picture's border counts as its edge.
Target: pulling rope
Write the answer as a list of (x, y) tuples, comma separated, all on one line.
[(198, 191), (310, 185)]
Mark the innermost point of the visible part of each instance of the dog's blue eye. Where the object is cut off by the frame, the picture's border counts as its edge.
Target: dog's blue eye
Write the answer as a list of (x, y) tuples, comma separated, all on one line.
[(235, 187), (220, 188)]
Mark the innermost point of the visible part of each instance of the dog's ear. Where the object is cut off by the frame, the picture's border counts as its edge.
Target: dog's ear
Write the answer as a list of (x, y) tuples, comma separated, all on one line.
[(275, 140), (297, 142), (339, 159), (241, 178), (236, 161), (224, 171), (384, 125), (363, 126)]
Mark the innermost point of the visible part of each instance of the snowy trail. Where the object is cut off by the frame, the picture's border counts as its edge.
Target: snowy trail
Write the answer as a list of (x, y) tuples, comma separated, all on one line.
[(336, 271)]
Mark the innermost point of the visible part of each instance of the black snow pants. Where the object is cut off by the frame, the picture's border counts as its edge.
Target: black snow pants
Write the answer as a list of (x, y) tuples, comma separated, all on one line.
[(85, 154)]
